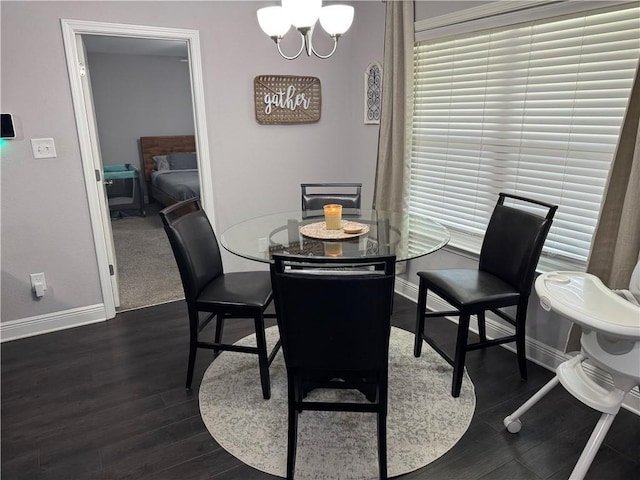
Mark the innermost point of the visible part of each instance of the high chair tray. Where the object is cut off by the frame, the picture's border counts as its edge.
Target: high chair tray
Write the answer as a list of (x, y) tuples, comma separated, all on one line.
[(584, 299)]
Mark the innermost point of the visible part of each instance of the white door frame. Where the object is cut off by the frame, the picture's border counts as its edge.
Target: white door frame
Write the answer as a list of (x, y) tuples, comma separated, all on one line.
[(71, 28), (98, 167)]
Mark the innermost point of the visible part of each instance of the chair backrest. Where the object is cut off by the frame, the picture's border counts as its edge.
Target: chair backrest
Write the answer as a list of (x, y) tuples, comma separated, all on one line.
[(513, 241), (194, 245), (316, 195), (334, 314)]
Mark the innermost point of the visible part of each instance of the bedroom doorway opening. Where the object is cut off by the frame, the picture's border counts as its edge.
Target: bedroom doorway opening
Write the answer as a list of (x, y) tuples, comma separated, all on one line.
[(74, 32), (141, 93)]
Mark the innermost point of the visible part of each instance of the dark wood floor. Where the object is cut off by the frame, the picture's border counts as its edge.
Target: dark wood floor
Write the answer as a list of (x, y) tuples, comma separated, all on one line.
[(107, 401)]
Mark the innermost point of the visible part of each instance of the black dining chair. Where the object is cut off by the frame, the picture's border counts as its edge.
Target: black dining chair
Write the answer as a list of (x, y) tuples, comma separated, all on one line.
[(334, 318), (315, 195), (504, 277), (208, 290)]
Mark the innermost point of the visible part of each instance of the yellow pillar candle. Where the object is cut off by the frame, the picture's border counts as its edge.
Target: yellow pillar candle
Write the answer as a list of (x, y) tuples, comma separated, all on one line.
[(333, 216)]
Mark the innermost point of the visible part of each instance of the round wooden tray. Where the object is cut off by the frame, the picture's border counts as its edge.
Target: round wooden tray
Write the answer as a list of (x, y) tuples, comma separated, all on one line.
[(319, 230)]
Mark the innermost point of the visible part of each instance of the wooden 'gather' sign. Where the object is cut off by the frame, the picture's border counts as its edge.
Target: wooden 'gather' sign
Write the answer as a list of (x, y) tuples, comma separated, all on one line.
[(285, 99)]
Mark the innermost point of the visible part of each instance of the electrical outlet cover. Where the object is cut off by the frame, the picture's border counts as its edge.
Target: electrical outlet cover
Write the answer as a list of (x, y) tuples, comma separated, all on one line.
[(43, 148), (38, 278)]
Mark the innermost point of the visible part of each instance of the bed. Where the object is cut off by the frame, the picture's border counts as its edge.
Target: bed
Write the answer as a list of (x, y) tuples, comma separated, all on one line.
[(173, 175)]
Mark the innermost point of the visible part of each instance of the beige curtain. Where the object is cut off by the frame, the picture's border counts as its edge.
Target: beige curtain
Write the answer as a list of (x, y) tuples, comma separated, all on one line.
[(394, 141), (615, 250)]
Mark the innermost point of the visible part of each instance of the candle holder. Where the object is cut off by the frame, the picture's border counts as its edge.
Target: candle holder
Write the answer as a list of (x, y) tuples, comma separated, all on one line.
[(332, 249), (333, 216)]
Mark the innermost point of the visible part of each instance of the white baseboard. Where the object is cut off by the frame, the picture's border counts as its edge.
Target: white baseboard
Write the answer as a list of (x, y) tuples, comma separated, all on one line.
[(537, 352), (51, 322)]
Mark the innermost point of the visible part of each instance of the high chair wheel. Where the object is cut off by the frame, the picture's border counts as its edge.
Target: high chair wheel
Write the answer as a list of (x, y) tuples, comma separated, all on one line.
[(513, 426)]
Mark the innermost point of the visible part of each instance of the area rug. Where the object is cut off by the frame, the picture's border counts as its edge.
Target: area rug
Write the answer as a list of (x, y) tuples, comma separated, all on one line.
[(424, 421)]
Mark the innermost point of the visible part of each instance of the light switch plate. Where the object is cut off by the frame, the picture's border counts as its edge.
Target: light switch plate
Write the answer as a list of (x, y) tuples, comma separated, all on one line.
[(43, 148)]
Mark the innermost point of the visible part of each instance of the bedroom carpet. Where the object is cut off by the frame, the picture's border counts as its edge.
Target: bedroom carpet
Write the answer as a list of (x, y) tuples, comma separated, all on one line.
[(424, 421), (147, 271)]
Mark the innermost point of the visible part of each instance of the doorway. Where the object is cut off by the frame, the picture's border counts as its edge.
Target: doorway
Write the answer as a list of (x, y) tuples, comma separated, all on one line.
[(139, 88), (89, 144)]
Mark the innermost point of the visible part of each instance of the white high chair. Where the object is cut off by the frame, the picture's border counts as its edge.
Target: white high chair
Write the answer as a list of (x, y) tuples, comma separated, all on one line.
[(610, 340)]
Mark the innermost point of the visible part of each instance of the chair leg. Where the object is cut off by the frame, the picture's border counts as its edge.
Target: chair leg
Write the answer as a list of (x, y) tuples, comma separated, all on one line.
[(461, 351), (521, 348), (220, 317), (592, 446), (193, 345), (420, 310), (382, 432), (382, 445), (299, 392), (292, 432), (263, 360), (482, 327)]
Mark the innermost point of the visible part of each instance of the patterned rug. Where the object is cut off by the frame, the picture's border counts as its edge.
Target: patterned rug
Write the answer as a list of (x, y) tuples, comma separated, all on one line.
[(423, 420)]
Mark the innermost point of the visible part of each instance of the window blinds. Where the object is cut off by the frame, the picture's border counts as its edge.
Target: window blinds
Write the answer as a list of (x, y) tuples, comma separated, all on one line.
[(533, 109)]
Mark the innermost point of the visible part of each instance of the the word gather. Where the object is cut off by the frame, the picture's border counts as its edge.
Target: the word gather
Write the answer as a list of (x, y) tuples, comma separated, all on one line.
[(285, 99)]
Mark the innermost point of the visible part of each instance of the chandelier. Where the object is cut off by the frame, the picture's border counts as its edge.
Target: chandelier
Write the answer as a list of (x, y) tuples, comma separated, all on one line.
[(303, 15)]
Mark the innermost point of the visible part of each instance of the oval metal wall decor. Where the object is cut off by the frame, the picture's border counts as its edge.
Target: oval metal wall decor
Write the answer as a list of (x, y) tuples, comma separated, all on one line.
[(373, 93)]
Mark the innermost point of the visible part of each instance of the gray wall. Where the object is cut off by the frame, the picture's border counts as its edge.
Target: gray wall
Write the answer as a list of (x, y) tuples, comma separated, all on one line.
[(256, 169), (136, 96)]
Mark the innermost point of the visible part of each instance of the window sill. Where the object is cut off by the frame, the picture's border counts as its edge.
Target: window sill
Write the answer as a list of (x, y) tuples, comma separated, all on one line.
[(469, 246)]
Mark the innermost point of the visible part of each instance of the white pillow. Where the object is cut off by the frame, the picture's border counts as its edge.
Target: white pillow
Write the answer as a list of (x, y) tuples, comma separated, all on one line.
[(161, 162)]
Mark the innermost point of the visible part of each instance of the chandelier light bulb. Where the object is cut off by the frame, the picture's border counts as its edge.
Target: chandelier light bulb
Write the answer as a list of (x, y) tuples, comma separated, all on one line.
[(302, 13), (336, 19), (274, 21)]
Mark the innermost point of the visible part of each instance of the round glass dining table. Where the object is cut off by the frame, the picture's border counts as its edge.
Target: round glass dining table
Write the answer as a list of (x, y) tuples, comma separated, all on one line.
[(372, 232)]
